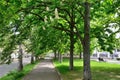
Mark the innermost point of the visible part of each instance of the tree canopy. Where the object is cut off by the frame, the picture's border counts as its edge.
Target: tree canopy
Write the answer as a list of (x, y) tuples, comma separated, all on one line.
[(59, 25)]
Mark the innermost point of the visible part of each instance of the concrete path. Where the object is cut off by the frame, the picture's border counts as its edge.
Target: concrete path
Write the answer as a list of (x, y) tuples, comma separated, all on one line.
[(43, 71)]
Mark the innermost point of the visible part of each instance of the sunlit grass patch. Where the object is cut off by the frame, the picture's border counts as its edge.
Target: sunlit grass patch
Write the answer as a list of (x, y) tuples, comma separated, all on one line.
[(100, 70)]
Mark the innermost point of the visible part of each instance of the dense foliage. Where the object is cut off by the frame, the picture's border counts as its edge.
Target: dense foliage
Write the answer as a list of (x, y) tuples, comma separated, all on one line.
[(59, 25)]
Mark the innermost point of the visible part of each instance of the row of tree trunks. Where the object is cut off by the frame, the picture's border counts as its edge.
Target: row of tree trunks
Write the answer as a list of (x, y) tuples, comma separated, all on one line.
[(58, 55), (85, 43)]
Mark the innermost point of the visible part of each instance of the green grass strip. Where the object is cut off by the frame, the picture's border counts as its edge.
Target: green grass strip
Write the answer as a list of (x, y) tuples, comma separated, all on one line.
[(100, 70)]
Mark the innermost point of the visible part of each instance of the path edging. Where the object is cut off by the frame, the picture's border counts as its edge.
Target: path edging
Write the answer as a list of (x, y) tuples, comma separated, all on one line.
[(57, 71)]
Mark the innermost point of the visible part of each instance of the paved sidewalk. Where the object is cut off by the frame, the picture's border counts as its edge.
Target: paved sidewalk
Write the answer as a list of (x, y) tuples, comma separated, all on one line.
[(43, 71)]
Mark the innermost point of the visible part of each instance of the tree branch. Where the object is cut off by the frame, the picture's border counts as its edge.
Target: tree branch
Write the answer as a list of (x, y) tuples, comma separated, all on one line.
[(65, 10), (37, 15), (64, 17), (80, 12), (62, 29), (41, 4), (78, 34)]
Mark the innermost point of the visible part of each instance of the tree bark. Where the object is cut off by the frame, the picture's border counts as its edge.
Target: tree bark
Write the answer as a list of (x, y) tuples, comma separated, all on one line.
[(71, 51), (60, 58), (71, 43), (32, 58), (72, 26), (55, 55), (36, 58), (80, 55), (86, 43), (20, 58)]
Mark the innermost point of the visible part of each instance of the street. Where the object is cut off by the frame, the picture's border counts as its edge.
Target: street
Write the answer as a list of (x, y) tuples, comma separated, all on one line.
[(5, 68)]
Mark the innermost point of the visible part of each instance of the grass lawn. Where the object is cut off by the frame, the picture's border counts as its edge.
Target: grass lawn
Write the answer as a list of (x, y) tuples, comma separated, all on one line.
[(100, 70), (15, 75)]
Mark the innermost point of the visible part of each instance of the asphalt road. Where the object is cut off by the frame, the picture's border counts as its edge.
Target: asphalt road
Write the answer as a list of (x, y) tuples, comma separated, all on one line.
[(5, 68)]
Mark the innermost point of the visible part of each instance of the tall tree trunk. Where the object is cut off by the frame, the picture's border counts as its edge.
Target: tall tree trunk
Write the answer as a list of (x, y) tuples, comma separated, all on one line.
[(32, 58), (71, 43), (36, 58), (86, 43), (72, 25), (20, 58), (60, 58), (80, 55), (55, 55), (71, 51)]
